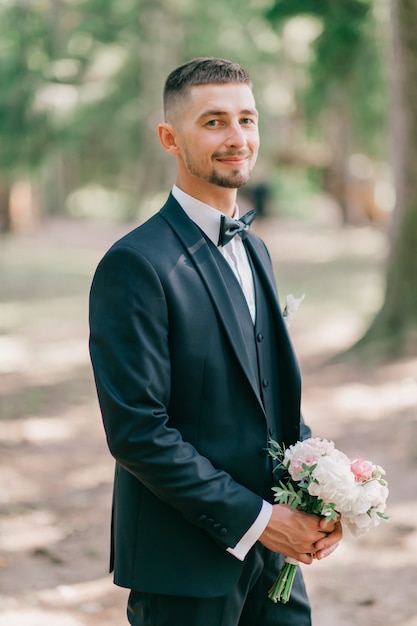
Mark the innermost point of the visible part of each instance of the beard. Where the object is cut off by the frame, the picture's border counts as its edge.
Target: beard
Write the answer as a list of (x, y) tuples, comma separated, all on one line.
[(234, 180)]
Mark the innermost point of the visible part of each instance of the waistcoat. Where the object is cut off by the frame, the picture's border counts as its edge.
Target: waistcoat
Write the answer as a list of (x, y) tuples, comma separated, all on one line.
[(262, 345)]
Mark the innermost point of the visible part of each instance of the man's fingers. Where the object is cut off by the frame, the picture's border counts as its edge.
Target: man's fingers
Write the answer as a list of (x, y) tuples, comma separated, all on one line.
[(322, 554)]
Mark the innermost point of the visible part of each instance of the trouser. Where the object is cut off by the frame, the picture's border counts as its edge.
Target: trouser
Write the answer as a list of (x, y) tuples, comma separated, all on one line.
[(247, 604)]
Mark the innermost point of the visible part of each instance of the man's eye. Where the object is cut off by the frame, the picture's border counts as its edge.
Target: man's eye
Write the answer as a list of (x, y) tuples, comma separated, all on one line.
[(212, 123), (247, 121)]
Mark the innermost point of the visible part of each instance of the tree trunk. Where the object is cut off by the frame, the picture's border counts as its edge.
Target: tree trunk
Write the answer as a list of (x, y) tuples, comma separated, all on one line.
[(395, 327), (4, 205)]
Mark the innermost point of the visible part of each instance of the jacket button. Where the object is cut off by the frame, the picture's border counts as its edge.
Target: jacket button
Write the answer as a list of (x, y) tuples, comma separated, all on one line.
[(223, 531), (202, 518), (265, 383), (259, 337)]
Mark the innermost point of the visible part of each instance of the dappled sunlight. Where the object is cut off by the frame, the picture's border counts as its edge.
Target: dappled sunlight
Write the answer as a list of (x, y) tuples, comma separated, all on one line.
[(29, 531), (37, 617), (373, 401), (289, 243), (89, 477), (66, 605), (56, 473), (68, 595), (71, 423), (327, 337), (14, 354), (340, 396), (63, 355), (37, 430), (49, 355), (42, 347), (42, 438)]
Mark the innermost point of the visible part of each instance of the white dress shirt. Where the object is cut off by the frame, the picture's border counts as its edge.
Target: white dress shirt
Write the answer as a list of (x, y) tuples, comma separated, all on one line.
[(207, 219)]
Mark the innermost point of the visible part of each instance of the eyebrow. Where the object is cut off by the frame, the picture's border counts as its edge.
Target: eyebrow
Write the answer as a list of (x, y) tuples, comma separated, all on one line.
[(215, 113)]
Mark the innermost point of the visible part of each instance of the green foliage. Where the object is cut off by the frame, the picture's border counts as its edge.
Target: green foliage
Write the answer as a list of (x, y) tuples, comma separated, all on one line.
[(296, 495), (81, 80), (339, 45), (23, 48), (346, 74)]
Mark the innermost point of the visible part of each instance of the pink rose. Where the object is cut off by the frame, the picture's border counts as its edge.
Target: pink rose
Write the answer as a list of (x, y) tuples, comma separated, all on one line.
[(361, 469), (308, 458)]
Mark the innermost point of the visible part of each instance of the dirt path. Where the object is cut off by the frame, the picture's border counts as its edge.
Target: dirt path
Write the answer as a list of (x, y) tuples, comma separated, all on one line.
[(56, 473)]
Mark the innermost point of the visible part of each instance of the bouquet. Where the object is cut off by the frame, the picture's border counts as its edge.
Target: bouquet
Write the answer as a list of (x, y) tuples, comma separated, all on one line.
[(321, 480)]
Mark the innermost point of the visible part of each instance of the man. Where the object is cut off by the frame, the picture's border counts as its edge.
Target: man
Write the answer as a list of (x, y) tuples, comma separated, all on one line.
[(195, 373)]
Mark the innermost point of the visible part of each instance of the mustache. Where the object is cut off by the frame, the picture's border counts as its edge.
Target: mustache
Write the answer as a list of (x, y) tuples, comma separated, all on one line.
[(238, 153)]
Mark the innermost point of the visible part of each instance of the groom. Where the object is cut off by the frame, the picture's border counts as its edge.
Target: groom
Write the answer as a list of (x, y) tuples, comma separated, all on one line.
[(195, 373)]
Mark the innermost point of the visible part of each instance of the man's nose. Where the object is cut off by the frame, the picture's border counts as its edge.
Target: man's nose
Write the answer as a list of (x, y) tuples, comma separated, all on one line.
[(236, 137)]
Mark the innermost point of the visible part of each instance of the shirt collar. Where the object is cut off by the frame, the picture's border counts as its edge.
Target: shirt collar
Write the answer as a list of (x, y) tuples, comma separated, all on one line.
[(205, 216)]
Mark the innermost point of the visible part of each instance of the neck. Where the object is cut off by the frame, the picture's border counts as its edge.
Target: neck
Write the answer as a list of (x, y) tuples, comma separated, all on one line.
[(221, 198)]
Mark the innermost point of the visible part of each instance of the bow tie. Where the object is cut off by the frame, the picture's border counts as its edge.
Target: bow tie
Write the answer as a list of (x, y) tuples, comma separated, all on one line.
[(230, 227)]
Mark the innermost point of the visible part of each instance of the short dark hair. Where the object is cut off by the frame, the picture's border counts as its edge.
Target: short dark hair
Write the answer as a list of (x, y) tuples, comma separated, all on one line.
[(202, 71)]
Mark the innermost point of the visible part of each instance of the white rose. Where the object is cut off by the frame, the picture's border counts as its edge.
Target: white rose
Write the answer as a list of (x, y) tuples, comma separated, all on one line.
[(335, 479)]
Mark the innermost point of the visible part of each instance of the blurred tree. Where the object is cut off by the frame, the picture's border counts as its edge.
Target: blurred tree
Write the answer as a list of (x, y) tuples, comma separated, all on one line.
[(81, 94), (24, 132), (344, 100), (395, 327), (113, 139), (346, 92)]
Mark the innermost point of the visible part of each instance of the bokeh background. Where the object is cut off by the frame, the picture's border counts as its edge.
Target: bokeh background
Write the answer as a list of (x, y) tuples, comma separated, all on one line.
[(336, 192)]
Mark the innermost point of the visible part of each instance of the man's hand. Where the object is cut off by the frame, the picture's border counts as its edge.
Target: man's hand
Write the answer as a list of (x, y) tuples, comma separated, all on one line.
[(300, 535)]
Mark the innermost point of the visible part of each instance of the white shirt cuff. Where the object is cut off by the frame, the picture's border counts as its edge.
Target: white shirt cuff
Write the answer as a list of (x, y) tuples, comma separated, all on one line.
[(252, 535)]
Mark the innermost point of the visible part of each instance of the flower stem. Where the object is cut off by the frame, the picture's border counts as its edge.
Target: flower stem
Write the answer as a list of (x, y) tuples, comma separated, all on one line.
[(281, 589)]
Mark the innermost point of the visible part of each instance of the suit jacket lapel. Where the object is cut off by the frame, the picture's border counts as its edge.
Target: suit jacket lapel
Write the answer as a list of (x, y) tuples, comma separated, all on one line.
[(202, 255)]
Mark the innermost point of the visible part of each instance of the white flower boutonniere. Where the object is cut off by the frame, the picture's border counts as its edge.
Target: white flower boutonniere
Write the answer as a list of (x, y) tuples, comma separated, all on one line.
[(291, 307)]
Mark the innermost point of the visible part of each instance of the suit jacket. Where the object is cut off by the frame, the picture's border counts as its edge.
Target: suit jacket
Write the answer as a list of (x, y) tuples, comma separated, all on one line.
[(181, 406)]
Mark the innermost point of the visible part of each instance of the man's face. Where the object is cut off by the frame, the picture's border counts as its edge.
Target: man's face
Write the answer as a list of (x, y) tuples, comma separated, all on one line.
[(218, 136)]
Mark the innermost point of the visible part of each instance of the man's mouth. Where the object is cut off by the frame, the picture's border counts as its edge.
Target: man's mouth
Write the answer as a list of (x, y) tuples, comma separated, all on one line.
[(232, 158)]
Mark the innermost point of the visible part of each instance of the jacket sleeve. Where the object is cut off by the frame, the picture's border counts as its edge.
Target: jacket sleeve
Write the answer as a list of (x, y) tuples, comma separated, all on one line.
[(305, 430), (129, 347)]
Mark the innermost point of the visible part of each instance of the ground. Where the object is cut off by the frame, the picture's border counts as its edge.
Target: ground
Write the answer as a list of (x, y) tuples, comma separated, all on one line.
[(56, 472)]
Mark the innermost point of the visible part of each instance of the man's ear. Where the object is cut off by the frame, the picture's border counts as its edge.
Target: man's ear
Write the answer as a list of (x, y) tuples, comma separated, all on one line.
[(168, 137)]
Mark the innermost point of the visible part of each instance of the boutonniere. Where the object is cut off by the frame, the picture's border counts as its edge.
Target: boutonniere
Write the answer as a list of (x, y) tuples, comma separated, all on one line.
[(291, 307)]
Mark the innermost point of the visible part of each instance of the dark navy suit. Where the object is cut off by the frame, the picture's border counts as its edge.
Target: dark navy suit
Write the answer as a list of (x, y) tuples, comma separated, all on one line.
[(190, 392)]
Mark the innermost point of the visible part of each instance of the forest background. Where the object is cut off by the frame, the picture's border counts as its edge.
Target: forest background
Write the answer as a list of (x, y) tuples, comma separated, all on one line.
[(336, 185)]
